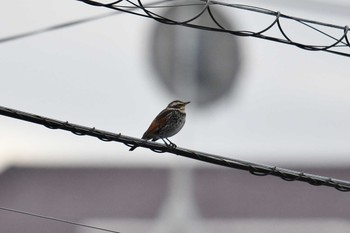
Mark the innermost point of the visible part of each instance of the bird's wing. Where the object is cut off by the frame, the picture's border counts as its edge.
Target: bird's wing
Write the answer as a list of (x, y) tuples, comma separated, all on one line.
[(158, 123)]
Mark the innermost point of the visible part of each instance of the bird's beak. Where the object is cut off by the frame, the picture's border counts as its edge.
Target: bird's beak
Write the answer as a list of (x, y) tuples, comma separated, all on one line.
[(187, 102)]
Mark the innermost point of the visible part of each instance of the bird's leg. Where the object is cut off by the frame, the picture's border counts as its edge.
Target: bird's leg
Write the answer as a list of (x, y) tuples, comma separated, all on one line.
[(168, 143), (165, 142), (171, 144)]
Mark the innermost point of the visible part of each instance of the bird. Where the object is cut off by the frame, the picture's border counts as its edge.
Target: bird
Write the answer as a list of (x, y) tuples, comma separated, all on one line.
[(166, 124)]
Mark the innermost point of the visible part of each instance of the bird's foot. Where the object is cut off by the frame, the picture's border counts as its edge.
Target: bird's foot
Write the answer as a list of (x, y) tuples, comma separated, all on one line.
[(169, 144), (172, 145)]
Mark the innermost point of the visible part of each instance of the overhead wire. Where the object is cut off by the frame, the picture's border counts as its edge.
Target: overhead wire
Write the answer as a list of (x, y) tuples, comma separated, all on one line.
[(56, 219), (146, 11), (78, 22), (55, 27), (340, 43), (253, 168)]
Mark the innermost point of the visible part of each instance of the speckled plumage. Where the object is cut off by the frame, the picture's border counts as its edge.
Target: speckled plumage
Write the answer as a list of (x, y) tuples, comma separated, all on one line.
[(167, 123)]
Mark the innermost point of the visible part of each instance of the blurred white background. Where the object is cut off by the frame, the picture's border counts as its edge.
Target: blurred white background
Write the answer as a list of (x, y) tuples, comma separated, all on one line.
[(290, 106)]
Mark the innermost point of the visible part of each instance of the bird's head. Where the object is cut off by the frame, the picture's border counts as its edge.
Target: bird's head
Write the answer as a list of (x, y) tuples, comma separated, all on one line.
[(178, 105)]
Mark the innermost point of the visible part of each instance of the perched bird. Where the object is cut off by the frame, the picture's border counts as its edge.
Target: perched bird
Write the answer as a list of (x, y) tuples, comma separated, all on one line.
[(168, 123)]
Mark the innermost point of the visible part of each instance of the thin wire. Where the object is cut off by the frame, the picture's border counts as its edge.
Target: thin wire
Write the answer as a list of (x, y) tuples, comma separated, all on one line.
[(165, 6), (55, 219), (146, 11), (253, 168), (55, 27), (81, 21)]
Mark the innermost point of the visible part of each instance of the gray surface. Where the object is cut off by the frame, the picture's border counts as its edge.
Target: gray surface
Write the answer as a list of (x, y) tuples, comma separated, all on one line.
[(80, 194)]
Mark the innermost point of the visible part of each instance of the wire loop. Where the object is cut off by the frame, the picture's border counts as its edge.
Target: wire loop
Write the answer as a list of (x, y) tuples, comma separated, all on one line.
[(146, 11), (258, 171)]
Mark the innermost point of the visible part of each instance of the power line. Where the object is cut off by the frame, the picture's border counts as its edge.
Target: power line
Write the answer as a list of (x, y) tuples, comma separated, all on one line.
[(55, 219), (67, 24), (55, 27), (339, 44), (253, 168)]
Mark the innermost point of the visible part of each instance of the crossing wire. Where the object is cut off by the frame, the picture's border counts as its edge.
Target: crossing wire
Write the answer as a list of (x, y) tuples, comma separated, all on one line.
[(253, 168)]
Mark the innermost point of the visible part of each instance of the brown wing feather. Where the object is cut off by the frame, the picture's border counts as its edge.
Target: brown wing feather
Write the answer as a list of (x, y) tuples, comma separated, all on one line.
[(158, 123)]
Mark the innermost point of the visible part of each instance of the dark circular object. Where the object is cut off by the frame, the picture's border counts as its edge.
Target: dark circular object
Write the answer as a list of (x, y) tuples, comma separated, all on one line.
[(196, 65)]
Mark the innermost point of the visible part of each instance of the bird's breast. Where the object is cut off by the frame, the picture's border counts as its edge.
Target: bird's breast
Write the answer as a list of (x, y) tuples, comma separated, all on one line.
[(175, 123)]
